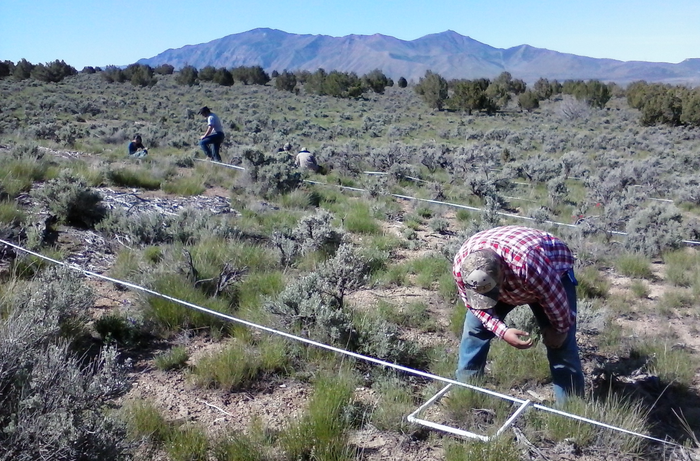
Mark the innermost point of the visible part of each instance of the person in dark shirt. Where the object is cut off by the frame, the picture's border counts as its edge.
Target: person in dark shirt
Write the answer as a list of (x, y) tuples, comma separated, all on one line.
[(136, 148)]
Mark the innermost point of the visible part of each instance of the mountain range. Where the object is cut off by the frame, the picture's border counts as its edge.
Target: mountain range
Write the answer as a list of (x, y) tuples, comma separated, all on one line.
[(447, 53)]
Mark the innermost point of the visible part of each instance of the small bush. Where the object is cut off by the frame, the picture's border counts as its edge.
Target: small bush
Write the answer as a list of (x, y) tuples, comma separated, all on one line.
[(10, 214), (682, 268), (173, 359), (187, 443), (501, 449), (126, 177), (270, 175), (322, 432), (314, 303), (71, 201), (359, 220), (511, 367), (237, 446), (240, 364), (145, 421), (463, 406), (122, 330), (634, 265), (172, 316), (591, 284), (395, 402), (184, 186), (639, 289), (671, 364), (611, 410)]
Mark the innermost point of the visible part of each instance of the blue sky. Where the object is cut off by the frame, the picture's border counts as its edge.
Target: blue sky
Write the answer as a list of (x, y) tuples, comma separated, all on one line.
[(102, 32)]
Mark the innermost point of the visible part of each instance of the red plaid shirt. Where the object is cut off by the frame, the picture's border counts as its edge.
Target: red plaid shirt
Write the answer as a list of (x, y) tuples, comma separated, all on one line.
[(534, 264)]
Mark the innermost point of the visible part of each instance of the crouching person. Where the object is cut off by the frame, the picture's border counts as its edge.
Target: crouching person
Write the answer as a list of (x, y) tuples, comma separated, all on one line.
[(498, 269), (305, 160), (136, 148)]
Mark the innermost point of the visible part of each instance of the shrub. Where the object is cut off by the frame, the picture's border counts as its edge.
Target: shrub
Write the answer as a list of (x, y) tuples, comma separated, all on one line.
[(270, 175), (122, 330), (322, 432), (71, 200), (173, 359), (241, 364), (145, 421), (10, 214), (501, 449), (54, 401), (394, 403), (313, 233), (314, 303), (634, 265), (591, 284), (654, 229), (187, 443), (610, 409), (359, 220), (128, 177)]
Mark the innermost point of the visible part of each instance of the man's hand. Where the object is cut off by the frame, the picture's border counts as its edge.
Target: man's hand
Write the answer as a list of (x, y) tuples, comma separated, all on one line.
[(512, 337), (553, 339)]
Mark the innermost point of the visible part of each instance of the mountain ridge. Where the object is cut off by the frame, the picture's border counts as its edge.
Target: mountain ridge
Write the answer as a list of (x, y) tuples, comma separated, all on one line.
[(448, 53)]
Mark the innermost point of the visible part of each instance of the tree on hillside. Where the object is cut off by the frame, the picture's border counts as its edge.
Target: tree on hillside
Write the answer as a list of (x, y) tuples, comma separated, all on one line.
[(343, 85), (164, 69), (433, 89), (286, 81), (142, 75), (313, 83), (53, 71), (470, 95), (528, 101), (258, 76), (223, 77), (206, 74), (503, 86), (402, 82), (22, 70), (690, 108), (6, 68), (188, 75), (113, 74), (543, 89), (254, 75), (597, 94), (376, 81)]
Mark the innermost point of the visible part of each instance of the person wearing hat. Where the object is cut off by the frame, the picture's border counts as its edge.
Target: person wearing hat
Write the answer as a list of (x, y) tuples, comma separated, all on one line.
[(498, 269), (214, 135), (306, 160)]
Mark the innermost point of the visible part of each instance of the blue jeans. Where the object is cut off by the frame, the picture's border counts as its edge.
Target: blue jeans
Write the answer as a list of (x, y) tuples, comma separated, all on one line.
[(564, 363), (213, 140)]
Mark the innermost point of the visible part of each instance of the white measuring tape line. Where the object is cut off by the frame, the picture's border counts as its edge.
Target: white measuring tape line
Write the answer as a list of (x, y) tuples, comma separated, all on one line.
[(437, 202), (338, 350)]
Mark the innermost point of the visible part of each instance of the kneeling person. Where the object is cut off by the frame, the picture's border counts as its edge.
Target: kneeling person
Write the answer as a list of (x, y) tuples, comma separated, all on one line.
[(136, 148)]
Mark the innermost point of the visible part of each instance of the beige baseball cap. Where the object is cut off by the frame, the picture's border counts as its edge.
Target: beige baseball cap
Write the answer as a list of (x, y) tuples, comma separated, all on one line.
[(482, 274)]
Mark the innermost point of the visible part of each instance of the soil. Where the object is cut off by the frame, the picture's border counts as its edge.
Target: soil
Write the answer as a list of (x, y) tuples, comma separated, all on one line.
[(277, 403)]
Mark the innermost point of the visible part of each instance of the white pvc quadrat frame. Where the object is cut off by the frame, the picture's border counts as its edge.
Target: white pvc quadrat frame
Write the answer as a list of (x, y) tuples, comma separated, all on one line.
[(413, 417)]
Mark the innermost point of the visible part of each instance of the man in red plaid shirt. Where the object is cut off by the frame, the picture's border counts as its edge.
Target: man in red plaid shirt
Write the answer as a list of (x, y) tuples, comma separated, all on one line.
[(499, 269)]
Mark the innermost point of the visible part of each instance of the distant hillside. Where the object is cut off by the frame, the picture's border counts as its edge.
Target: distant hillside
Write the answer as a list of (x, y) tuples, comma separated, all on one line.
[(448, 53)]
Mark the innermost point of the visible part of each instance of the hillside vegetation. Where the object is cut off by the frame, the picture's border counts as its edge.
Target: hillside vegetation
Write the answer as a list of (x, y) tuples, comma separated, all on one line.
[(356, 256)]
